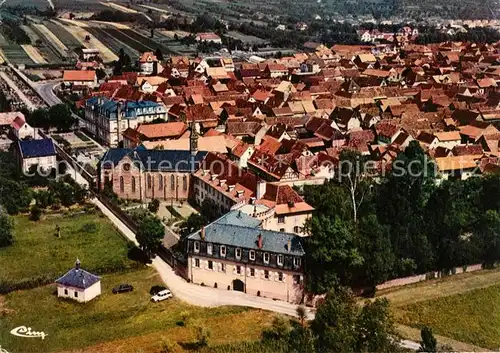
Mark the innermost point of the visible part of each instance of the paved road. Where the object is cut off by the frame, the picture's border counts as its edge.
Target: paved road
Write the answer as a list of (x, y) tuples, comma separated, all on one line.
[(46, 91)]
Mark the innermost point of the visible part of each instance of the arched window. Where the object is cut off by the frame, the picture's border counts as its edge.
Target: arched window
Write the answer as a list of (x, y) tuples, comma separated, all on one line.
[(149, 181), (160, 182), (122, 185), (133, 184), (185, 182), (172, 182)]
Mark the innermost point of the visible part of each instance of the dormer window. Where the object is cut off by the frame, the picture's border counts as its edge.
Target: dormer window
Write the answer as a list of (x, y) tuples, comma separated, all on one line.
[(238, 253), (266, 257), (251, 255), (209, 249), (196, 246), (296, 261), (222, 251), (280, 260)]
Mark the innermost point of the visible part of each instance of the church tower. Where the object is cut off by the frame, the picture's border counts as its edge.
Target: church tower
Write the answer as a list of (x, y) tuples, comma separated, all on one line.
[(193, 139)]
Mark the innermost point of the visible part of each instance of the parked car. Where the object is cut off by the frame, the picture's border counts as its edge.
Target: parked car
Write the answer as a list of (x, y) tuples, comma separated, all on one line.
[(123, 288), (161, 296)]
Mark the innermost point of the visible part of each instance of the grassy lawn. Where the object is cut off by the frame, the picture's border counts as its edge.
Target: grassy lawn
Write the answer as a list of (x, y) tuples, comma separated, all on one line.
[(118, 323), (37, 254), (473, 316)]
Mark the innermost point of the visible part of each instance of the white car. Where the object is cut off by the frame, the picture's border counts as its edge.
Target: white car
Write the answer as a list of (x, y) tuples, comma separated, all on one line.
[(161, 296)]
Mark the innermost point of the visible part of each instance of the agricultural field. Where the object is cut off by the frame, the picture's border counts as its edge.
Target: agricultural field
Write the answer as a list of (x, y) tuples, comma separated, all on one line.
[(81, 34), (34, 54), (112, 43), (119, 7), (52, 40), (247, 39), (120, 35), (16, 54), (66, 38)]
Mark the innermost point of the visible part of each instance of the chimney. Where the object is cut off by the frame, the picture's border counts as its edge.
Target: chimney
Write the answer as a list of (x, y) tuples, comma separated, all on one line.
[(202, 233), (289, 245), (261, 189), (259, 241)]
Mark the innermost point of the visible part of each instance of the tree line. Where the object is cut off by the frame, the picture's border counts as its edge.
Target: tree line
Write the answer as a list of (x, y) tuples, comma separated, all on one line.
[(366, 231), (57, 116)]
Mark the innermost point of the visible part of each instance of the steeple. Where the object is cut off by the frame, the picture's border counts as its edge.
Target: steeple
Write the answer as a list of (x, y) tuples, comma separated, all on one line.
[(193, 139)]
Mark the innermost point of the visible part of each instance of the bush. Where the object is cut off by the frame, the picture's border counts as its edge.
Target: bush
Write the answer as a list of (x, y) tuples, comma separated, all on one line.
[(155, 289), (89, 228), (35, 213), (154, 206), (202, 336)]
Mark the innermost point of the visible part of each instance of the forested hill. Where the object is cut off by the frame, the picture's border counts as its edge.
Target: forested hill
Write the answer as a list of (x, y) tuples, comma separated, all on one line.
[(385, 9)]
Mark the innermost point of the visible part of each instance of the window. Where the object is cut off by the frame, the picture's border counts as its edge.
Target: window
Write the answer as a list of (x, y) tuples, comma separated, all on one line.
[(76, 294), (266, 257), (133, 184), (238, 270), (280, 260), (296, 229), (65, 292), (210, 265), (238, 253), (184, 183), (223, 267), (222, 251), (160, 182), (122, 185), (252, 272), (251, 255), (281, 219), (209, 249), (126, 167), (172, 182), (296, 261), (196, 246), (296, 279), (149, 181), (282, 230), (196, 262), (266, 274), (280, 276)]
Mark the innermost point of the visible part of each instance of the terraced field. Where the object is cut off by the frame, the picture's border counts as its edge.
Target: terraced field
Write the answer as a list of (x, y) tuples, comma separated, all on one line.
[(16, 54), (34, 54), (111, 42), (64, 36), (136, 40)]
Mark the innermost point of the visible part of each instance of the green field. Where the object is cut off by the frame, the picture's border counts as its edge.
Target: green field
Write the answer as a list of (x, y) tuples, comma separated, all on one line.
[(38, 255), (118, 322), (472, 317)]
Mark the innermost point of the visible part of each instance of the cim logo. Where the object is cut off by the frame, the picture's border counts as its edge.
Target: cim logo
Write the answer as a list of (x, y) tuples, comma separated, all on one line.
[(26, 332)]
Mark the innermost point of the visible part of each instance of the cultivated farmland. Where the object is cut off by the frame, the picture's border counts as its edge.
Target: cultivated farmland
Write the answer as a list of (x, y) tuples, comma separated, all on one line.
[(112, 43), (133, 43), (16, 54), (54, 41), (34, 54), (66, 38)]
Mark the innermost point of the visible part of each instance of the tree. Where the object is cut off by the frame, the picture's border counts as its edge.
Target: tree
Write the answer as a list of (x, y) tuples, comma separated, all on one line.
[(6, 229), (487, 238), (60, 117), (202, 336), (39, 118), (301, 314), (428, 343), (159, 54), (376, 248), (335, 325), (150, 234), (352, 176), (154, 205), (331, 253), (375, 328), (193, 223), (279, 331), (35, 213)]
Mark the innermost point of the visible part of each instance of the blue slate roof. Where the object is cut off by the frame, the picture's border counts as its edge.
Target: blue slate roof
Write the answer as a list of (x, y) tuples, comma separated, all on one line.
[(37, 148), (155, 160), (129, 108), (78, 278), (231, 230)]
